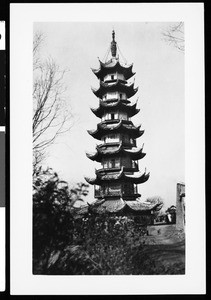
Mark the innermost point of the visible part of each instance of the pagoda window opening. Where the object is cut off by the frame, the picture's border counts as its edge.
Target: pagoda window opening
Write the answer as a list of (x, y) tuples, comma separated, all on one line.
[(110, 116), (98, 190), (123, 116), (114, 189), (111, 164), (111, 96), (135, 189), (104, 164), (134, 164), (125, 138), (114, 163), (112, 138), (128, 188), (122, 96), (110, 77), (132, 141)]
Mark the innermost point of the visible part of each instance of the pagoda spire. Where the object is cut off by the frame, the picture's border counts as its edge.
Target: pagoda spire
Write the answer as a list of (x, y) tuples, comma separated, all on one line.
[(113, 45)]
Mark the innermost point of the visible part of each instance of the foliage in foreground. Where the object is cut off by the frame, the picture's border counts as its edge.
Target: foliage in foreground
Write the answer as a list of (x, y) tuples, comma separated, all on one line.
[(89, 245)]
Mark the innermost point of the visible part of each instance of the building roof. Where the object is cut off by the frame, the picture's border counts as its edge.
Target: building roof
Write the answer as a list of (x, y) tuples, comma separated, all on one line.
[(120, 86), (136, 178), (113, 66), (117, 205), (103, 105), (121, 126), (135, 153)]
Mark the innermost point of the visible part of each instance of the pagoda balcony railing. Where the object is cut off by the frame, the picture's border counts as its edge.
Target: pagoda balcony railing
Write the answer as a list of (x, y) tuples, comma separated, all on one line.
[(100, 193), (115, 80), (124, 143), (133, 168), (115, 100), (110, 121)]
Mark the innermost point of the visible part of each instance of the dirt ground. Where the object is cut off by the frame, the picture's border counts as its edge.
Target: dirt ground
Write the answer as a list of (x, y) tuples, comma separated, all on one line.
[(167, 248)]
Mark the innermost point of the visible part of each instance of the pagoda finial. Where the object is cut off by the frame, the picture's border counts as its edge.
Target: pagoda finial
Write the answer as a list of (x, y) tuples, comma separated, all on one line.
[(113, 45), (113, 35)]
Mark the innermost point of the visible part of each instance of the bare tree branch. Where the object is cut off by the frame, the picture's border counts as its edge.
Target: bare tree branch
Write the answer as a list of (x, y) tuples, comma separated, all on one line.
[(174, 35), (51, 117)]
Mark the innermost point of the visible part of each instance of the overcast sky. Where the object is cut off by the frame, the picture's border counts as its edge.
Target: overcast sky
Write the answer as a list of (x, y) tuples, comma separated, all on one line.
[(159, 71)]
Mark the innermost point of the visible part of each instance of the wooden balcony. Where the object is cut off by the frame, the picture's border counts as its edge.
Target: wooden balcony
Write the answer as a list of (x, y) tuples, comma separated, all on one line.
[(115, 100), (129, 145), (133, 168), (100, 193)]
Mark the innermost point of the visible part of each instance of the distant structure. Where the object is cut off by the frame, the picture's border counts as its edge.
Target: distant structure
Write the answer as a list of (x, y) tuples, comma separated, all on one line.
[(180, 207), (116, 182)]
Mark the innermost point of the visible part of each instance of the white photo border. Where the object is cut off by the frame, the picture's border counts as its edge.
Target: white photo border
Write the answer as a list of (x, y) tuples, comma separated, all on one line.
[(22, 17)]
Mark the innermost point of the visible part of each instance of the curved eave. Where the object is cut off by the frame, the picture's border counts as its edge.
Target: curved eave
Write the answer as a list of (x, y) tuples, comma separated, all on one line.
[(135, 155), (93, 156), (129, 90), (101, 130), (137, 179), (106, 68), (100, 153), (91, 180), (98, 111), (134, 112), (137, 205), (97, 156), (110, 152), (130, 109)]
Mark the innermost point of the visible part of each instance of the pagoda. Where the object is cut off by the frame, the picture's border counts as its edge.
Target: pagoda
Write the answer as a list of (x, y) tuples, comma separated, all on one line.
[(116, 181)]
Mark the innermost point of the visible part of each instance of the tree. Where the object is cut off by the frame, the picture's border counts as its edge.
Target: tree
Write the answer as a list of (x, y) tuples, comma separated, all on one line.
[(174, 35), (53, 215), (51, 117)]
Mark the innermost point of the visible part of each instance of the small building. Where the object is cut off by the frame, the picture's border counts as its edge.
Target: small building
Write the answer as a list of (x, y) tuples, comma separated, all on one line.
[(180, 206)]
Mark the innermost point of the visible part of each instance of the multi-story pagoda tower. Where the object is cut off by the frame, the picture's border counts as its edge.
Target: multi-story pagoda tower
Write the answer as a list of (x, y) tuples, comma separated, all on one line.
[(116, 181)]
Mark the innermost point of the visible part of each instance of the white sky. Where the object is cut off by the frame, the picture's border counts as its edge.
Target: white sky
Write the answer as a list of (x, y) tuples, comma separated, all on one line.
[(160, 76)]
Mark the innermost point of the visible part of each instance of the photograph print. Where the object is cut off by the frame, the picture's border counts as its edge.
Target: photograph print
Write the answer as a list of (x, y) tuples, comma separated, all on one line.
[(108, 148)]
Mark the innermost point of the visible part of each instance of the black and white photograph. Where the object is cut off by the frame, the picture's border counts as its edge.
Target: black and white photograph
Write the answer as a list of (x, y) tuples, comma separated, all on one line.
[(99, 206), (107, 150)]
